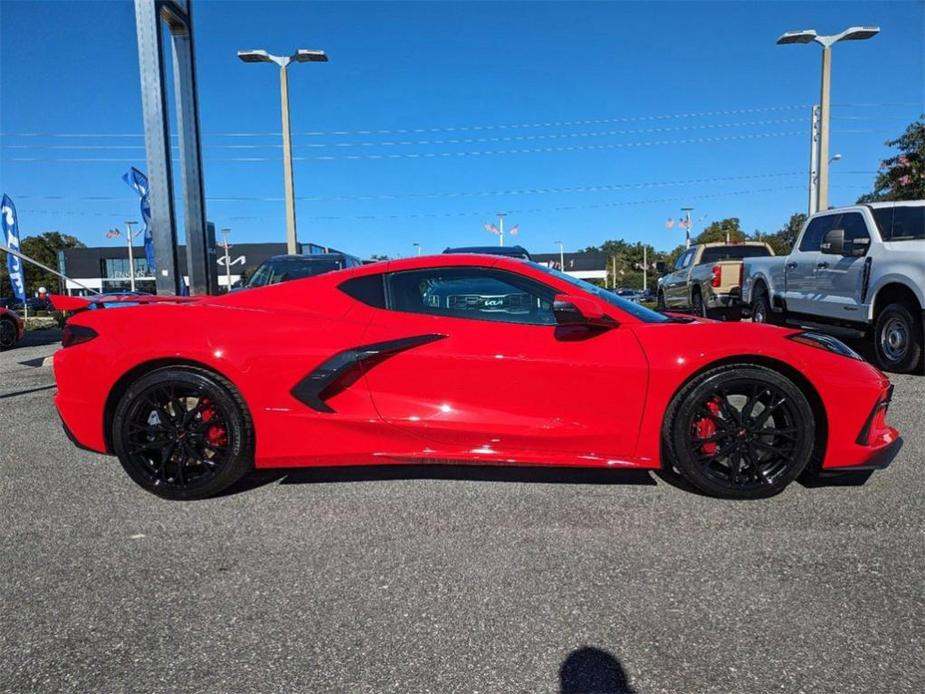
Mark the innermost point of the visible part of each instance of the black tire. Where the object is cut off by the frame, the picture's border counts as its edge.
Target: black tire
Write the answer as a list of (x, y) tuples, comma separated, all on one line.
[(718, 439), (761, 309), (699, 308), (898, 339), (8, 334), (183, 433), (660, 301)]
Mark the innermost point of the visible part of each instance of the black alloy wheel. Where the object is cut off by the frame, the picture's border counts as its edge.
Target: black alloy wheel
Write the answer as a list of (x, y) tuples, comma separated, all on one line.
[(740, 432), (183, 433), (898, 339), (8, 333)]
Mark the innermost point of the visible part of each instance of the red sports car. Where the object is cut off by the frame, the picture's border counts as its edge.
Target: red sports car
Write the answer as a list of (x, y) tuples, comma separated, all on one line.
[(458, 358), (12, 328)]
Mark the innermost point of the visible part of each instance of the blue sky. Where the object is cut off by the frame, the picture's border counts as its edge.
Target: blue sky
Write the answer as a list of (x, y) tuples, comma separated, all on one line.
[(597, 94)]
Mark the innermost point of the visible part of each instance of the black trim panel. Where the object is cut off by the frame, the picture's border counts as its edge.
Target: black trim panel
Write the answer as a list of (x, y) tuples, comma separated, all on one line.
[(333, 375)]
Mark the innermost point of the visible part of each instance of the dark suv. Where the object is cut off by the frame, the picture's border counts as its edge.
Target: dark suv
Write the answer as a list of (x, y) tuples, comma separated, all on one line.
[(282, 268)]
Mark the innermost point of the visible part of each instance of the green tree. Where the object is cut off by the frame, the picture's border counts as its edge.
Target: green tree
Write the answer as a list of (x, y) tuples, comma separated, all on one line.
[(43, 248), (721, 231), (783, 239), (902, 177)]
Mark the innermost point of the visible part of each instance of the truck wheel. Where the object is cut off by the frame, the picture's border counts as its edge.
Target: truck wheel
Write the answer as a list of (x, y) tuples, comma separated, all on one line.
[(761, 309), (898, 339), (700, 308)]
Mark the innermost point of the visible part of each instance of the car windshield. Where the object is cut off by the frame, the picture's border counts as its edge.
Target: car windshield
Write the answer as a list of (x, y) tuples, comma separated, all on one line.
[(641, 312), (715, 254), (901, 223)]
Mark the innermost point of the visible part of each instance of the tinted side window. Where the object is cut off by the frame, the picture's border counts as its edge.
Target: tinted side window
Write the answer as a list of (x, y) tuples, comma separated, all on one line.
[(684, 260), (812, 238), (369, 289), (717, 253), (474, 293), (901, 223), (854, 226)]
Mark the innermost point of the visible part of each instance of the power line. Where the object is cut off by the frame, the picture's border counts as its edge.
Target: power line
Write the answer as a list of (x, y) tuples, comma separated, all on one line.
[(591, 188), (451, 141), (433, 155)]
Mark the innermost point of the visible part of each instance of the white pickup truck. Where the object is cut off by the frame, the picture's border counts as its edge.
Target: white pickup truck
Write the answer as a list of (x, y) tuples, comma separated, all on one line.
[(854, 271)]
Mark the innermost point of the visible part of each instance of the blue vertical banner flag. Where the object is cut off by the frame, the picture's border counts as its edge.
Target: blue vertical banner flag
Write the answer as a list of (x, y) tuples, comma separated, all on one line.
[(11, 238), (139, 182)]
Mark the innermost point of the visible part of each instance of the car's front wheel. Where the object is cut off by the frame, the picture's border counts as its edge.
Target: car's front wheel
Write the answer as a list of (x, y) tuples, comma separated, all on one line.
[(740, 431), (183, 433)]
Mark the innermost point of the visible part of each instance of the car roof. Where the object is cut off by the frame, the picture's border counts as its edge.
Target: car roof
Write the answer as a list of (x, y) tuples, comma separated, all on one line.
[(896, 203), (303, 258), (489, 250)]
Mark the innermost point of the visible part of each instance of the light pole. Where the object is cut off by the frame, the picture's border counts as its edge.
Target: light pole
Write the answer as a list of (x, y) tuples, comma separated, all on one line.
[(418, 246), (129, 237), (561, 255), (225, 232), (501, 216), (300, 56), (808, 36), (687, 223)]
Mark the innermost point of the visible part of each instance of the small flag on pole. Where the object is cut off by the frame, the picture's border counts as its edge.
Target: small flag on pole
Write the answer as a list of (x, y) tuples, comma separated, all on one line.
[(492, 229), (514, 230), (112, 233), (669, 224)]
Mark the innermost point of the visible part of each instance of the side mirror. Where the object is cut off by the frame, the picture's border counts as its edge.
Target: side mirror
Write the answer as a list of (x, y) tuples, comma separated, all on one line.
[(579, 310), (661, 267), (833, 243)]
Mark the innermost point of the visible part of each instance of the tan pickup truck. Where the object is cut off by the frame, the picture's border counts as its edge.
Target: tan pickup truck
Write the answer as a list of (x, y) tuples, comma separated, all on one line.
[(706, 279)]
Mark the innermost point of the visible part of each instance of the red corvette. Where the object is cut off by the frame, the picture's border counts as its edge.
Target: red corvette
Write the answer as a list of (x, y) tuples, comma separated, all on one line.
[(12, 328), (458, 358)]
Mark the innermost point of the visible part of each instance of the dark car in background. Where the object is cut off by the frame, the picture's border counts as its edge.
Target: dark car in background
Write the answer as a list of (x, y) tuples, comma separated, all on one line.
[(283, 268), (12, 328), (506, 251)]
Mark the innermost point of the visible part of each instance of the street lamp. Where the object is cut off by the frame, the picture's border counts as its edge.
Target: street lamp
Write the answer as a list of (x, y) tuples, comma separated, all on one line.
[(809, 36), (561, 255), (300, 56), (418, 246)]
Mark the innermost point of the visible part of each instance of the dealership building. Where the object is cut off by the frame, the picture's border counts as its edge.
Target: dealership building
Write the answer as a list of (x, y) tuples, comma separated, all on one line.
[(106, 268)]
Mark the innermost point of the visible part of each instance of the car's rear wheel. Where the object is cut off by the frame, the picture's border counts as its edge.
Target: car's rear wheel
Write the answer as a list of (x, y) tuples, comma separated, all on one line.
[(761, 309), (898, 339), (740, 431), (183, 433), (8, 333), (699, 308)]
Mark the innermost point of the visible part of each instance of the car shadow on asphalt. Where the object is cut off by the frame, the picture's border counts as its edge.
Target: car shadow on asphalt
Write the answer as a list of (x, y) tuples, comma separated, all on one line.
[(472, 473), (590, 669), (36, 338)]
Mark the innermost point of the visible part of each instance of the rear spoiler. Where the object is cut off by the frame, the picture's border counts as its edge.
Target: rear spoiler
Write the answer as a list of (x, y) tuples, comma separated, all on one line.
[(82, 303)]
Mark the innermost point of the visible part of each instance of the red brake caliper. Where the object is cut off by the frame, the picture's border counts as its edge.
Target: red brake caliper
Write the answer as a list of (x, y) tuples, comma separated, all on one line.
[(215, 434), (706, 427)]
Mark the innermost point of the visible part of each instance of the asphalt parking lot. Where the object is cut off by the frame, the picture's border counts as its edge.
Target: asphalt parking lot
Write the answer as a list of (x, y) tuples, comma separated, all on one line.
[(449, 579)]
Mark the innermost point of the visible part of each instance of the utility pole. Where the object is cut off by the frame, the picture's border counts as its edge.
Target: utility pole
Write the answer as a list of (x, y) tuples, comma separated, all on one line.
[(501, 216), (225, 233), (687, 225), (645, 267), (561, 255), (814, 163), (129, 237)]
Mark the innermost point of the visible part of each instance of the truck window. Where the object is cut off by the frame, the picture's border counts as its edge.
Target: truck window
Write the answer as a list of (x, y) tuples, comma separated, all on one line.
[(716, 254), (854, 226), (685, 259), (900, 223), (812, 237)]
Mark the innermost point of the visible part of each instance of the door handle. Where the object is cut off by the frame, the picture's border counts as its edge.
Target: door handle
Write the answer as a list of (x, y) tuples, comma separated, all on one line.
[(822, 265), (792, 265)]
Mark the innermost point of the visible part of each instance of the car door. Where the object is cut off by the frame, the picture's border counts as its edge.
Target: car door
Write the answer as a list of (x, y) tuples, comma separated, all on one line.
[(840, 277), (803, 292), (675, 282), (491, 376)]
